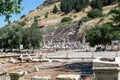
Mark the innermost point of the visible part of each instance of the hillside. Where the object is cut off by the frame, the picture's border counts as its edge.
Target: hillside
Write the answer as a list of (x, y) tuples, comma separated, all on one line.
[(40, 12)]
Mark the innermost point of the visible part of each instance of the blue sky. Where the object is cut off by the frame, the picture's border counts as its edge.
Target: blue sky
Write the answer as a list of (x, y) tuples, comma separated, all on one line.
[(28, 6)]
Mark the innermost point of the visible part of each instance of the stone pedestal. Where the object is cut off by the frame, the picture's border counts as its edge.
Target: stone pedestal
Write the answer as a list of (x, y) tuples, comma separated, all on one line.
[(106, 70), (2, 75), (17, 75), (68, 77), (41, 78)]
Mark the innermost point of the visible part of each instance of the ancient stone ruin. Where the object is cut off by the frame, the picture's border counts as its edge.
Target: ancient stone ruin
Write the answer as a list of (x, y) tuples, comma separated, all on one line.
[(106, 69)]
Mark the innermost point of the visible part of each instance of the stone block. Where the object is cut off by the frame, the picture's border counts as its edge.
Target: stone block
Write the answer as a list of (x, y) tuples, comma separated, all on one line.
[(106, 70), (41, 78), (68, 77)]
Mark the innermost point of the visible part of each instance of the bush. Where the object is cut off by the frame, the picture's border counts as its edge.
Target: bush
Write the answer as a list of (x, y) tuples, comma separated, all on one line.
[(83, 19), (46, 15), (22, 16), (22, 23), (66, 19), (94, 13)]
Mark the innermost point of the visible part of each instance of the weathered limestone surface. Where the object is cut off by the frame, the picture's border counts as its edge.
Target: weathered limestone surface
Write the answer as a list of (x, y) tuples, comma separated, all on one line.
[(2, 75), (41, 78), (68, 77), (106, 70), (17, 75)]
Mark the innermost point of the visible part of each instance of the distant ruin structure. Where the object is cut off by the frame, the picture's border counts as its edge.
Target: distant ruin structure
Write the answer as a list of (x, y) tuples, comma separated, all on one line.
[(61, 37)]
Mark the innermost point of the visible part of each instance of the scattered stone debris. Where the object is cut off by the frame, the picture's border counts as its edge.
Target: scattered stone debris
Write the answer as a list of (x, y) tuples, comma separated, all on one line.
[(12, 60), (36, 69)]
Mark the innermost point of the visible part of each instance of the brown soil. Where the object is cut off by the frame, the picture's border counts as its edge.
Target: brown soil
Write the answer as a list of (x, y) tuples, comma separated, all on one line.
[(52, 71)]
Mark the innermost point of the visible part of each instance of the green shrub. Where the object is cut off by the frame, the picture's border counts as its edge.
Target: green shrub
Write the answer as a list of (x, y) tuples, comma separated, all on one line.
[(66, 19), (94, 13), (23, 23), (22, 16), (83, 19), (46, 15)]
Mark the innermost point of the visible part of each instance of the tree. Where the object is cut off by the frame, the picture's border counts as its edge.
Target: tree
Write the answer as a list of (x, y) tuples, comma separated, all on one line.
[(108, 2), (4, 37), (32, 36), (93, 36), (94, 13), (10, 37), (100, 35), (116, 15), (55, 9), (69, 5), (8, 7), (80, 4), (96, 4)]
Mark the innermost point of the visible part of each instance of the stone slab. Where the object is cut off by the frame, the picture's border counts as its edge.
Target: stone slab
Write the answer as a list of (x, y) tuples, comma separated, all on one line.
[(68, 77), (41, 78)]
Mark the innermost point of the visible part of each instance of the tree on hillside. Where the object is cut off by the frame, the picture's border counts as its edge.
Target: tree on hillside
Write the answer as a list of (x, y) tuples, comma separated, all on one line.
[(108, 2), (55, 9), (80, 4), (96, 4), (69, 5), (100, 35), (66, 6), (8, 7), (94, 13)]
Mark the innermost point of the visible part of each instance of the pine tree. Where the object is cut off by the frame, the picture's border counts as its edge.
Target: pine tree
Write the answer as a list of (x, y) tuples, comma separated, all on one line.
[(55, 9)]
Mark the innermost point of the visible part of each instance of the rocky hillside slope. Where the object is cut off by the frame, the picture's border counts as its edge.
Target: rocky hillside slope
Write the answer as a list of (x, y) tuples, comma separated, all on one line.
[(41, 11)]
